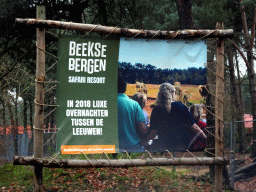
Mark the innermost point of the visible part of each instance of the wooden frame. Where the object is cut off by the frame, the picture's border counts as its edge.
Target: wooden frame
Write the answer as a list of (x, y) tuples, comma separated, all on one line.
[(38, 163)]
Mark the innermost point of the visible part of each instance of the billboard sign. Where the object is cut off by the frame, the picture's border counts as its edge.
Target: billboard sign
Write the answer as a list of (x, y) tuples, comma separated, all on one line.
[(87, 93)]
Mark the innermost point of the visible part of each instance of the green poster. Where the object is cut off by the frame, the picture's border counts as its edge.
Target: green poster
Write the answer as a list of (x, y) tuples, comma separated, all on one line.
[(87, 95)]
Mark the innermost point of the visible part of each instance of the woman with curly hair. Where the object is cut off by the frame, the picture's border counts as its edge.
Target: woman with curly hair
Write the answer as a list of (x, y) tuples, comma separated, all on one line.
[(172, 122)]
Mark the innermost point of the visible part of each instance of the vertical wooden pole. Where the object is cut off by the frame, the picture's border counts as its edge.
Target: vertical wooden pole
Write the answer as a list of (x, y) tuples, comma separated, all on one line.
[(39, 100), (219, 108)]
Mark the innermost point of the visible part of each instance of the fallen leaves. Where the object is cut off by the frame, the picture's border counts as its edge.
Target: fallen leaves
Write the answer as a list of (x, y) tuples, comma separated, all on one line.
[(246, 185), (115, 179)]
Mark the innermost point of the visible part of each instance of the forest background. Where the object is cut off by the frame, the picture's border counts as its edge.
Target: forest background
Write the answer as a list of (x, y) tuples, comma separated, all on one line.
[(18, 48)]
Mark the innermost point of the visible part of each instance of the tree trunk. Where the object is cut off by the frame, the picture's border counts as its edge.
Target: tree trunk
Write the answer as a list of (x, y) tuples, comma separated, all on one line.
[(31, 114), (239, 85), (76, 10), (249, 41), (25, 114), (12, 125), (236, 112), (185, 14), (251, 76), (16, 110), (4, 117), (102, 9), (11, 116), (16, 122)]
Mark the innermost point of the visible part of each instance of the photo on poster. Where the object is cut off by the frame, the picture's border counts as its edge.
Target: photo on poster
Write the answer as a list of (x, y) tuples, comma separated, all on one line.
[(153, 68)]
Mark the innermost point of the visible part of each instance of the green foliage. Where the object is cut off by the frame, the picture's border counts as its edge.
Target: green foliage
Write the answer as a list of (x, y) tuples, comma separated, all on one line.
[(19, 70), (144, 14), (48, 174), (208, 13), (162, 15), (10, 174)]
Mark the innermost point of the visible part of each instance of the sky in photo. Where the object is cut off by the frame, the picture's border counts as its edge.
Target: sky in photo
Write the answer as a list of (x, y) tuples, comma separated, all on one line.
[(163, 54)]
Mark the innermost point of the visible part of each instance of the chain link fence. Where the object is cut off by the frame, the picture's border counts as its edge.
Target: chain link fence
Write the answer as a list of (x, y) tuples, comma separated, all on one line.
[(238, 160), (25, 145), (238, 148)]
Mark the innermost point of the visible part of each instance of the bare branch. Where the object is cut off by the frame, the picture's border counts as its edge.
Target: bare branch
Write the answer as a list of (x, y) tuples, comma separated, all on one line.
[(244, 23), (241, 53), (13, 66)]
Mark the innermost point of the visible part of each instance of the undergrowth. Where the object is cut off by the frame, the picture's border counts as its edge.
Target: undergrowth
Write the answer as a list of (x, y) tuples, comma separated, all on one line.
[(20, 178)]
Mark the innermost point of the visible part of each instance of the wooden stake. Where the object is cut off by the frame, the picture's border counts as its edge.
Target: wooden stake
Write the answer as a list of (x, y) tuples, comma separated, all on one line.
[(39, 100), (219, 108)]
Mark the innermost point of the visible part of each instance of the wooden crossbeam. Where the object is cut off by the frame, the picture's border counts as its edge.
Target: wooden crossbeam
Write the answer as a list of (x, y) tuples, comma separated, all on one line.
[(96, 163), (125, 32)]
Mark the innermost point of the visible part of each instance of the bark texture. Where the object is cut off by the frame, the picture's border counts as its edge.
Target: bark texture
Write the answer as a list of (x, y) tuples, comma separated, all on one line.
[(185, 14)]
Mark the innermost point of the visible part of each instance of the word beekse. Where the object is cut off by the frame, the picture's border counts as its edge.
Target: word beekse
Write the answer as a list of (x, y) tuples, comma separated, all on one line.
[(89, 49)]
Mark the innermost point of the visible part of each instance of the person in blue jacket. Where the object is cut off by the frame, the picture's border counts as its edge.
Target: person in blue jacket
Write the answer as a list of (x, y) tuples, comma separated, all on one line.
[(130, 118)]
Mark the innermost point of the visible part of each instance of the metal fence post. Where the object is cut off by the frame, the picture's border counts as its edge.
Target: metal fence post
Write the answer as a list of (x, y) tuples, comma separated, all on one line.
[(232, 154)]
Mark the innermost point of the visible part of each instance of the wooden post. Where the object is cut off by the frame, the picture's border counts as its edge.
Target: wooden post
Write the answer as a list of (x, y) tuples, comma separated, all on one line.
[(219, 108), (39, 100)]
